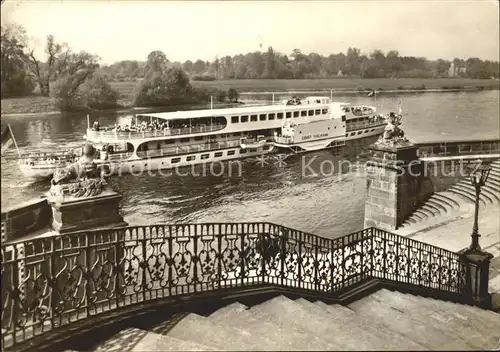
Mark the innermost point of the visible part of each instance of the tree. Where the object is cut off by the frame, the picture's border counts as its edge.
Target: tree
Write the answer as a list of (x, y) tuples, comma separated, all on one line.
[(61, 64), (156, 62), (162, 88), (14, 79), (97, 94), (233, 95)]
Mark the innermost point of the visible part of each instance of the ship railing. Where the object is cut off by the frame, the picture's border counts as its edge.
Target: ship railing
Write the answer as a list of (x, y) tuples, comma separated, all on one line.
[(194, 148), (125, 135), (359, 125), (283, 140)]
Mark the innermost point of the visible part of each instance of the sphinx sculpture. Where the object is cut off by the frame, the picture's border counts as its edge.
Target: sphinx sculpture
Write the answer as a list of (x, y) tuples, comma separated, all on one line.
[(393, 134), (80, 179)]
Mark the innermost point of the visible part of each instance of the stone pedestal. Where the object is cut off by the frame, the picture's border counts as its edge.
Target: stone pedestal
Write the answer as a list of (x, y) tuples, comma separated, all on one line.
[(395, 185), (477, 280), (74, 214)]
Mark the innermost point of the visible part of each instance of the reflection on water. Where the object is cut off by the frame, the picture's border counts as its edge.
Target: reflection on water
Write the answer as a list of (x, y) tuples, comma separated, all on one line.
[(328, 205)]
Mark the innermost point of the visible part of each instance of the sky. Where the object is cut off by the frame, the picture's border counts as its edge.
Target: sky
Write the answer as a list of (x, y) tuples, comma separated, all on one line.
[(190, 30)]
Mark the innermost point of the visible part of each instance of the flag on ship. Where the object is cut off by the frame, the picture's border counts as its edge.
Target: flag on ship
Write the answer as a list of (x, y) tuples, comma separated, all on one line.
[(8, 139), (372, 93)]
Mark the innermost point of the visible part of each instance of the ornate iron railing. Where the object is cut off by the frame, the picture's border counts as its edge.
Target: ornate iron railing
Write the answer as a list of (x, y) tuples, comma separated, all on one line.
[(50, 282)]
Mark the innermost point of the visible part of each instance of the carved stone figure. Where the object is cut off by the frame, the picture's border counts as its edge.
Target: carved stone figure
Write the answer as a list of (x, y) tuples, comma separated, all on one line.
[(393, 135), (80, 179)]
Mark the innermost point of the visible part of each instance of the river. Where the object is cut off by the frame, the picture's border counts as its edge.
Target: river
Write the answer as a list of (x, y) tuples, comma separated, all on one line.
[(330, 205)]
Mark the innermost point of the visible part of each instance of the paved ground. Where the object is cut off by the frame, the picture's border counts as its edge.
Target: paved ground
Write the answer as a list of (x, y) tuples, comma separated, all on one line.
[(455, 235)]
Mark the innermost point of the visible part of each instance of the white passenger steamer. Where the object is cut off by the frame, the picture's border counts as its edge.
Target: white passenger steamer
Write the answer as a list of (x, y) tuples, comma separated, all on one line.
[(185, 138)]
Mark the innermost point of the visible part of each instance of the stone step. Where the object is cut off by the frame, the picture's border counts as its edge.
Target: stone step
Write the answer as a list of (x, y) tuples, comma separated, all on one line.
[(157, 342), (429, 211), (449, 198), (470, 189), (435, 210), (494, 183), (490, 319), (134, 339), (494, 169), (469, 326), (422, 312), (378, 339), (421, 214), (403, 323), (238, 316), (443, 206), (293, 314), (205, 331), (401, 341), (417, 217), (485, 320), (491, 196), (467, 197)]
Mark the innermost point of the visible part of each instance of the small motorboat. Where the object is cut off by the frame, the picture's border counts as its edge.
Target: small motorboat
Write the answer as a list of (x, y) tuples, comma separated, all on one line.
[(43, 165)]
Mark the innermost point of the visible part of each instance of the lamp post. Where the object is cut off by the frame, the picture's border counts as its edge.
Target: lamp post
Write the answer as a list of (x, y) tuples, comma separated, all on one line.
[(477, 260), (478, 178)]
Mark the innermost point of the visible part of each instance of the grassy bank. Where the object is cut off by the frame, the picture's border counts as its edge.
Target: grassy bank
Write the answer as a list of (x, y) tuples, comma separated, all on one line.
[(39, 104), (28, 105), (269, 85)]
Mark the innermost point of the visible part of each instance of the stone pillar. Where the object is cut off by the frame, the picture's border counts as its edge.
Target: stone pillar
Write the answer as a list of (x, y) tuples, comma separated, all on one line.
[(478, 266), (395, 185)]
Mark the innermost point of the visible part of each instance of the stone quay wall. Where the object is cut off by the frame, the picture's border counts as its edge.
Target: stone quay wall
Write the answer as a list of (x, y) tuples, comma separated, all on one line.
[(25, 218), (458, 148)]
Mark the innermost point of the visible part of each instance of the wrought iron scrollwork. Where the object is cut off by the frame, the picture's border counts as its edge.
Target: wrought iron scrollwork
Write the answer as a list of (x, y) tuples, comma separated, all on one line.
[(51, 282)]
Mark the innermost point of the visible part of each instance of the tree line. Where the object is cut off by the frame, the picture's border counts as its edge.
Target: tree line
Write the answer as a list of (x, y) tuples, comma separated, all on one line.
[(76, 81), (271, 64)]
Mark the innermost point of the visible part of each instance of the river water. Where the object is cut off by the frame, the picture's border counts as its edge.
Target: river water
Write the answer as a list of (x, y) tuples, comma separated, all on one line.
[(330, 203)]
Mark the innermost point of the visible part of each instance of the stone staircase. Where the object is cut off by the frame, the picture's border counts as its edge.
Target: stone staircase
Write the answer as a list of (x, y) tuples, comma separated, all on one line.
[(384, 320), (458, 199)]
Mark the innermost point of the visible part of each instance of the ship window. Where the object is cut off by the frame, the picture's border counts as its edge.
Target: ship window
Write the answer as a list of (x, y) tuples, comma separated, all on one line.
[(243, 151), (353, 133), (224, 135), (262, 117), (373, 129), (230, 152), (311, 112), (175, 160), (184, 140), (198, 138), (318, 112), (170, 141), (253, 118), (218, 154), (343, 117), (234, 119), (296, 114), (266, 147), (288, 114), (271, 116), (366, 131), (204, 156), (303, 113), (325, 111), (244, 118), (191, 157), (360, 132), (253, 150), (236, 134)]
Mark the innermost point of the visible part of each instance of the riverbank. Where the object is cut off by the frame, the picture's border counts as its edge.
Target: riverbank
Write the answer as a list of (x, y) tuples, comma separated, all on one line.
[(251, 89)]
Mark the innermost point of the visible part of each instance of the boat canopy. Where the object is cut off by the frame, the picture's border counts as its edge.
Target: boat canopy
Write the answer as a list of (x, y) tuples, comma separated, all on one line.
[(249, 110)]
